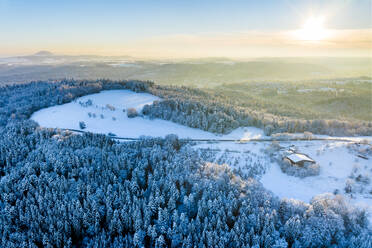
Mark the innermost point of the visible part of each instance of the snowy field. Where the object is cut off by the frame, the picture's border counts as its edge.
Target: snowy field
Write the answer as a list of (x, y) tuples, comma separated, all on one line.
[(340, 167), (100, 117)]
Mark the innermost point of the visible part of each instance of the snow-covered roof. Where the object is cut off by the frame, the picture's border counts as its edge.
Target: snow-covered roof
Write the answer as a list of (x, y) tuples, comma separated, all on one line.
[(298, 157)]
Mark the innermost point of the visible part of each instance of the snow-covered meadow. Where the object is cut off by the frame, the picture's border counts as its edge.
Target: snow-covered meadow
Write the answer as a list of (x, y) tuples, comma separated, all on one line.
[(340, 166), (107, 114)]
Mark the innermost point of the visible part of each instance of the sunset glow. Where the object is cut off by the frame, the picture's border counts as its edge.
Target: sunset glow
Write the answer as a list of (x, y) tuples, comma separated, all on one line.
[(313, 30), (176, 29)]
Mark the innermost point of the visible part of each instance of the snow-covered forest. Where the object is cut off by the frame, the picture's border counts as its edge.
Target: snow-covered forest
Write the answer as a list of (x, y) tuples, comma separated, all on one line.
[(219, 114), (59, 189), (187, 106)]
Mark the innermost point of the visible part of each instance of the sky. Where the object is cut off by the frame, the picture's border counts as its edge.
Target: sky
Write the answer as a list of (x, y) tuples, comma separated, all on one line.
[(189, 28)]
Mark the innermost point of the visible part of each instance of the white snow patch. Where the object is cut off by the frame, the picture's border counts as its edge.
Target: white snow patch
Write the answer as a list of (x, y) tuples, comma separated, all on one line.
[(125, 64), (305, 90), (335, 159), (336, 164), (69, 115), (327, 89)]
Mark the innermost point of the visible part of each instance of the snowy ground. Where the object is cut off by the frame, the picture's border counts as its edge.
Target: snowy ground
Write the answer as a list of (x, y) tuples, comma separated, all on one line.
[(116, 121), (339, 164)]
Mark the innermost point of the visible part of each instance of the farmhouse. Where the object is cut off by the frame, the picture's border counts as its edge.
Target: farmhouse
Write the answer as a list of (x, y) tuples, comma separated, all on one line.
[(299, 159)]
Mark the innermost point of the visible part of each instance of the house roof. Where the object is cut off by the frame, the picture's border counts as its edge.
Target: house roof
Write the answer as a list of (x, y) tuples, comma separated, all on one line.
[(298, 157)]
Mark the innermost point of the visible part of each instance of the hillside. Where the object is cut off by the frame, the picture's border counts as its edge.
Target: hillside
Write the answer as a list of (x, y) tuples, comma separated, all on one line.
[(199, 73)]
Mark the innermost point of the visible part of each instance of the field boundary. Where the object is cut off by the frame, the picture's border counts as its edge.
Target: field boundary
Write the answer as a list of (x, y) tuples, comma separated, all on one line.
[(242, 141)]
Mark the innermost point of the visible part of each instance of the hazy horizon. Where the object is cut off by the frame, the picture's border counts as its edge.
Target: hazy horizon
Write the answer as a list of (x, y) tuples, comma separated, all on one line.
[(247, 58), (192, 29)]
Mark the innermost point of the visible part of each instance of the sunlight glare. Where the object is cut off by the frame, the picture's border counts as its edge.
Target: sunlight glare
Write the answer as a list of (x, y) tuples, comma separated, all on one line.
[(313, 30)]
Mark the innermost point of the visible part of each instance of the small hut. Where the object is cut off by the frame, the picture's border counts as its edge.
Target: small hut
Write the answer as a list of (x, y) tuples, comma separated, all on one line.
[(299, 159)]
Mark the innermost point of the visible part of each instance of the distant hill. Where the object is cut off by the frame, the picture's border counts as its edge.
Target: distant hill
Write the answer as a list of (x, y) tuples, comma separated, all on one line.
[(43, 53)]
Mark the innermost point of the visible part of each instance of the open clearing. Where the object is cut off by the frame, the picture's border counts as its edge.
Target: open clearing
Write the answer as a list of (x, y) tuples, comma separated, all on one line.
[(105, 115), (339, 164)]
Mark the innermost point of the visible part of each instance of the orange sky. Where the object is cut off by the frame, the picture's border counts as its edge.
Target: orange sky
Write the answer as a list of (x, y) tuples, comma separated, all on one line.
[(190, 28)]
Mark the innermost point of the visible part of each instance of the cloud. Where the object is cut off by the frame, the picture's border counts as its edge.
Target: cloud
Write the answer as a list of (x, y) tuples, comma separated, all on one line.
[(253, 44), (257, 43)]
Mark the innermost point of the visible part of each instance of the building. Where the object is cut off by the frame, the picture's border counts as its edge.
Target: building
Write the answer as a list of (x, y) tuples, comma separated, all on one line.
[(299, 159)]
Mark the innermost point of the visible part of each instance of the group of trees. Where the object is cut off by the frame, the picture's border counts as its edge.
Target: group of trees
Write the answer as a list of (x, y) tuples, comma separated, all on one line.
[(59, 189), (219, 114), (132, 112), (298, 171)]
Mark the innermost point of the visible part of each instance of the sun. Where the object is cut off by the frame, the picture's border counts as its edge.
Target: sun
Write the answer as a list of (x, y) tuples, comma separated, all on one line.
[(313, 30)]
